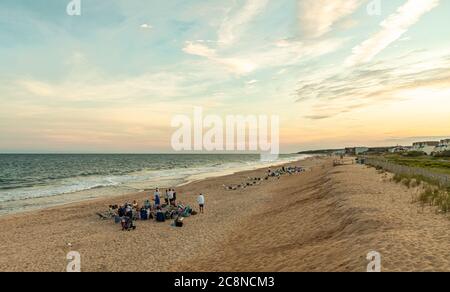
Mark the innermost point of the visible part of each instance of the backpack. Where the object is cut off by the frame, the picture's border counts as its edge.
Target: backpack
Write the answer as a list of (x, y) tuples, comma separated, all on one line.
[(179, 222), (160, 217), (144, 214)]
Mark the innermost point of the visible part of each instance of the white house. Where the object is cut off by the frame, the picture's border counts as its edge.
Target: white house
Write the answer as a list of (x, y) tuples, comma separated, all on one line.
[(444, 145), (399, 149), (428, 147)]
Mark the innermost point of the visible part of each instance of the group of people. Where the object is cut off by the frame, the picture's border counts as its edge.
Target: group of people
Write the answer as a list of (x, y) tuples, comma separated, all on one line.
[(277, 173), (128, 213), (170, 197), (290, 170)]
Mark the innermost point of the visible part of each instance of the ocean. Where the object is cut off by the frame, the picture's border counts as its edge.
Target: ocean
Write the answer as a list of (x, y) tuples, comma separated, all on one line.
[(34, 181)]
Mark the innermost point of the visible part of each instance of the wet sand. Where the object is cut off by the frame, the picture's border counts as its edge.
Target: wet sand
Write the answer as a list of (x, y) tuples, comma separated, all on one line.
[(326, 219)]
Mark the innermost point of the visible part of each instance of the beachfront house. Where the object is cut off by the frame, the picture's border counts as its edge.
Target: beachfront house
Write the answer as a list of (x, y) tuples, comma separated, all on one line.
[(356, 150), (444, 145), (400, 149), (361, 150), (350, 151), (428, 147), (339, 152)]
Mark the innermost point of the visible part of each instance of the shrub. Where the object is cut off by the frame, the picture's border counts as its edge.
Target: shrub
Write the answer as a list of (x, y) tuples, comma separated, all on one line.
[(443, 154), (414, 154), (414, 183), (426, 196), (436, 197), (397, 178), (407, 182)]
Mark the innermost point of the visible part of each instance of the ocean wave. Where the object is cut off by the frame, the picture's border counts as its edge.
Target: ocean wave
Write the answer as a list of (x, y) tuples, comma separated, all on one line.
[(148, 177)]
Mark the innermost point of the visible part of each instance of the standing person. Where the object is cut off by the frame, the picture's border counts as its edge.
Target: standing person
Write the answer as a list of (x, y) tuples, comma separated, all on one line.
[(174, 197), (157, 192), (170, 195), (157, 198), (201, 202), (166, 196)]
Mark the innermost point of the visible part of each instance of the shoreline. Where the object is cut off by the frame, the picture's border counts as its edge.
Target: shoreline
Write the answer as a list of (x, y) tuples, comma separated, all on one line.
[(104, 192), (39, 240), (326, 219)]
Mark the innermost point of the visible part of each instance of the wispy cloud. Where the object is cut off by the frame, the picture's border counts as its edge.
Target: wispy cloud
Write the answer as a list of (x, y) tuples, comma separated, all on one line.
[(235, 65), (280, 53), (338, 92), (235, 23), (155, 86), (317, 17), (392, 29), (146, 26)]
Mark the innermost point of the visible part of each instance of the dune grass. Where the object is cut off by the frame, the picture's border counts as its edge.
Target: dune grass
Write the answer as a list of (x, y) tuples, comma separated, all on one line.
[(433, 193)]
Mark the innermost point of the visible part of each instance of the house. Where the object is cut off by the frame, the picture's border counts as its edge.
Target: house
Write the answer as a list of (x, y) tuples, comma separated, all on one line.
[(356, 150), (400, 149), (339, 152), (350, 151), (361, 150), (444, 145), (428, 147)]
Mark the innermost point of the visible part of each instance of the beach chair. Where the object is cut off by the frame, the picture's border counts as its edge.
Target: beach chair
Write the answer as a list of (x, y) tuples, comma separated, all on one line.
[(187, 212), (103, 216)]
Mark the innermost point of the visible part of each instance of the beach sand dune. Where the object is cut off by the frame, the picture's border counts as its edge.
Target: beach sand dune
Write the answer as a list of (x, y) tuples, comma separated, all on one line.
[(327, 219)]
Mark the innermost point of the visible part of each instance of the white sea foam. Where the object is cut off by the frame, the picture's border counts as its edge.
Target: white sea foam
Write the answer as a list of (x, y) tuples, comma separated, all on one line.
[(82, 188)]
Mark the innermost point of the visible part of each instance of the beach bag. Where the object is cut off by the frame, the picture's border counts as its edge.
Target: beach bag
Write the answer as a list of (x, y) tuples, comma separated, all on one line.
[(144, 214), (179, 222), (160, 217)]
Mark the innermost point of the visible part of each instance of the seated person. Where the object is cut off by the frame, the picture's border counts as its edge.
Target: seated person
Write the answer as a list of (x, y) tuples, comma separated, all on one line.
[(121, 211), (147, 204)]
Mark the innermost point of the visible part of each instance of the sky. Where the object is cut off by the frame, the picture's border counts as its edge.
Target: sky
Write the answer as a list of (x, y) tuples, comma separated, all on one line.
[(337, 73)]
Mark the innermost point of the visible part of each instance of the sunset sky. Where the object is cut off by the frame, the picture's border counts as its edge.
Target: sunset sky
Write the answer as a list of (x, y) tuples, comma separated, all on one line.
[(111, 79)]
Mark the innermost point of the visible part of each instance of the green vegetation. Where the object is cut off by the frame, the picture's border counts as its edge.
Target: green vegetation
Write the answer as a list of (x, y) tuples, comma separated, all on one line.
[(414, 154), (432, 194), (436, 197), (437, 164), (444, 154)]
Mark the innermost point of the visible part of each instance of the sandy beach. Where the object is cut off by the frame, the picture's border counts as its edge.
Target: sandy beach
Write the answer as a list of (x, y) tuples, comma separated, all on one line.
[(326, 219)]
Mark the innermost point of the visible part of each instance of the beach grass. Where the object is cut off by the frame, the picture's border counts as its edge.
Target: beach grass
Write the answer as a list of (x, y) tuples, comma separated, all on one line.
[(433, 193)]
